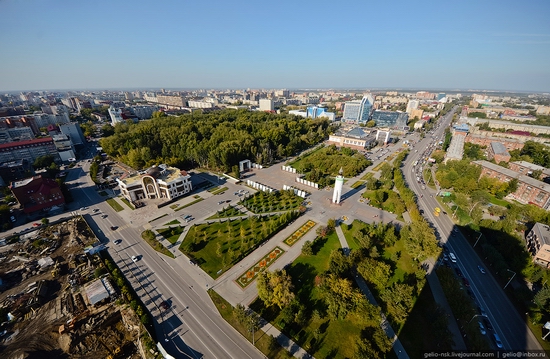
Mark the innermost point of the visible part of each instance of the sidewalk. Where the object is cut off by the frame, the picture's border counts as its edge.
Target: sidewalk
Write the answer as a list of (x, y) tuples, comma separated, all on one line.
[(384, 324), (226, 286)]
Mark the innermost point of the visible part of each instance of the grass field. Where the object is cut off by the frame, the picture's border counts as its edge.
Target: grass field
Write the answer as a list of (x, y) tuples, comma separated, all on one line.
[(175, 221), (321, 337), (262, 340), (219, 190), (115, 205), (157, 246), (171, 234), (127, 203), (189, 204), (217, 246), (262, 202), (230, 211)]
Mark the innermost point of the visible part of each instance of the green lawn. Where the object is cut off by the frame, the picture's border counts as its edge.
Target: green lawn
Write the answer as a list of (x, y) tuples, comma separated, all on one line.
[(175, 221), (159, 217), (321, 337), (358, 184), (172, 233), (127, 203), (157, 246), (261, 339), (499, 202), (219, 190), (116, 206), (367, 175), (230, 211), (219, 245), (189, 204), (262, 202)]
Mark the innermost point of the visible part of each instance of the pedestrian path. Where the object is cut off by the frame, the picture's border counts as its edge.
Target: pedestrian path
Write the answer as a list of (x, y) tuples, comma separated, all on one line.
[(384, 324), (225, 284)]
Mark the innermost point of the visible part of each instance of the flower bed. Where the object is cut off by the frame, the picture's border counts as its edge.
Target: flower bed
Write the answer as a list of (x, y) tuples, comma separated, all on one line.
[(299, 233), (247, 277)]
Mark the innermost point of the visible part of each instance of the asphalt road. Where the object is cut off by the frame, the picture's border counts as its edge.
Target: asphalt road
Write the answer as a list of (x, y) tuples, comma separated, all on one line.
[(510, 326), (192, 325)]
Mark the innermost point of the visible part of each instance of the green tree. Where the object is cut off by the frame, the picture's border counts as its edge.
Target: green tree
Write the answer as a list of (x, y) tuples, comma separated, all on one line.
[(275, 288), (307, 248)]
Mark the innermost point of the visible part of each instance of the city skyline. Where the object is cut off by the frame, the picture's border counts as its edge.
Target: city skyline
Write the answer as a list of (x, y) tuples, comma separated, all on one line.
[(494, 45)]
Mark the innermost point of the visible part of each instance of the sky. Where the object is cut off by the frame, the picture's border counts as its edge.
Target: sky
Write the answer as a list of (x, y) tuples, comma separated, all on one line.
[(293, 44)]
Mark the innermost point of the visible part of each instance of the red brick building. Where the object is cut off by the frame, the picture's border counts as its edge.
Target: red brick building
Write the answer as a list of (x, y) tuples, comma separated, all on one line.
[(498, 152), (529, 189), (37, 193)]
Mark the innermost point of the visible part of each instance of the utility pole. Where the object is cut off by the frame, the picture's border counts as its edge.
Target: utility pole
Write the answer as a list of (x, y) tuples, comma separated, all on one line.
[(478, 238), (510, 278)]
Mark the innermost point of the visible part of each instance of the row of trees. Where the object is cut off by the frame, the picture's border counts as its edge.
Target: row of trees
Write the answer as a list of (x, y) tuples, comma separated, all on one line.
[(218, 140)]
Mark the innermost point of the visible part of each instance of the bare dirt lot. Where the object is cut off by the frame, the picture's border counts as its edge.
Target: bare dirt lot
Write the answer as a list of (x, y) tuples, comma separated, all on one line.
[(45, 305)]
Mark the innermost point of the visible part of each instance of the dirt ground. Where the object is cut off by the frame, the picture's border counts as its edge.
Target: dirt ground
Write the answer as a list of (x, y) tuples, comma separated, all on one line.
[(51, 314)]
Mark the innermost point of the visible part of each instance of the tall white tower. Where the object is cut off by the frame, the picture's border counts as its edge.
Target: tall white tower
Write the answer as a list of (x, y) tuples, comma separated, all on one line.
[(338, 185)]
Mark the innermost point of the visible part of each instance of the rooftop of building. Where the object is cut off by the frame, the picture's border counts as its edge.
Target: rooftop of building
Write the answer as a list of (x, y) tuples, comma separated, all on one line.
[(532, 166), (161, 172), (513, 174), (499, 149), (542, 232), (26, 142)]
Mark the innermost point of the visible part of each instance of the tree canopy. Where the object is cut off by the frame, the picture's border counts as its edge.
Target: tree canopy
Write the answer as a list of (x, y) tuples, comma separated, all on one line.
[(275, 288), (218, 140)]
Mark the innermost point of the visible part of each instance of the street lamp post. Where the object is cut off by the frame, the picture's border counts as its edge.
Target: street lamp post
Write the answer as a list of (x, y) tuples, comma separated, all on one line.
[(478, 238), (510, 278)]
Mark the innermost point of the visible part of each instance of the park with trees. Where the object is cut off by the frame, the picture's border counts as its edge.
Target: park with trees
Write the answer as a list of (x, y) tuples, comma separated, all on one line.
[(322, 165), (216, 141)]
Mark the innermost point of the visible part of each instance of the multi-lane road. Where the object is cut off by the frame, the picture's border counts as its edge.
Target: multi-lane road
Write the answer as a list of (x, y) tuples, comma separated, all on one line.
[(490, 296), (191, 327)]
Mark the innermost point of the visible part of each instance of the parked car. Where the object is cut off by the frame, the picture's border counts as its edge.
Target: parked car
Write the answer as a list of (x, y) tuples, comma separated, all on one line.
[(12, 218), (118, 241)]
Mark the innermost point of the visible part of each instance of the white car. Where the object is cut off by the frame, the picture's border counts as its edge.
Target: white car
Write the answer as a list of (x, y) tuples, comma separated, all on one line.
[(83, 208), (481, 328), (453, 257), (497, 341), (135, 259)]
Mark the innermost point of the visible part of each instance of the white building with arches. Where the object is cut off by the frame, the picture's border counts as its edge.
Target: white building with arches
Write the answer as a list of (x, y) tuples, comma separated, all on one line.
[(159, 181)]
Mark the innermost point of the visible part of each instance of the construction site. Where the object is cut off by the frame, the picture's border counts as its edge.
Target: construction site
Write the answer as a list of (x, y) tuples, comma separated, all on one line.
[(57, 299)]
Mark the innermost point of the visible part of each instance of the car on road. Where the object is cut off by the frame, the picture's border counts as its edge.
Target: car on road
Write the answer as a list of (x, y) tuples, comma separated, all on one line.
[(165, 305), (221, 202), (96, 210), (466, 282), (135, 259), (36, 224), (453, 257), (481, 269), (113, 228), (104, 216), (83, 208), (12, 218), (497, 341), (488, 324), (118, 241), (481, 328), (192, 262)]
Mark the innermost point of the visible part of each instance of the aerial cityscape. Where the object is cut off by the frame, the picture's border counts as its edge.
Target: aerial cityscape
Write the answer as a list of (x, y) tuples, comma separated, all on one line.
[(284, 180)]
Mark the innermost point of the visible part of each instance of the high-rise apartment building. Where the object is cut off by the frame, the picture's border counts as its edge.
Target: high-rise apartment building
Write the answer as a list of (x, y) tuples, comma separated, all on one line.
[(412, 105), (266, 104), (358, 111)]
